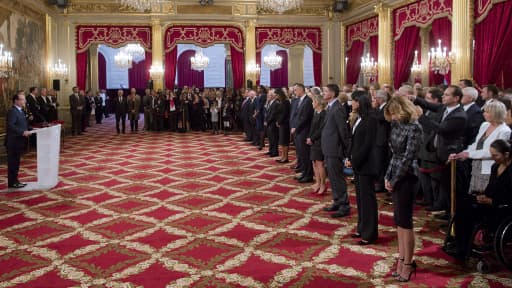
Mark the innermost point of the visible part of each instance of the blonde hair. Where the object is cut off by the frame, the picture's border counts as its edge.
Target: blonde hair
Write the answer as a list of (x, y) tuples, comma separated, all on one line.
[(497, 110), (402, 107), (317, 96), (343, 98)]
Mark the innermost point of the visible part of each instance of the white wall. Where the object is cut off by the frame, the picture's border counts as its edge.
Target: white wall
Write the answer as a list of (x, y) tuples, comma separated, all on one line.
[(215, 73), (116, 77), (309, 75)]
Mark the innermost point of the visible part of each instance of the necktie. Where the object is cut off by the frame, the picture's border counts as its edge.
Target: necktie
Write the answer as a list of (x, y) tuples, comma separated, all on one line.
[(445, 114)]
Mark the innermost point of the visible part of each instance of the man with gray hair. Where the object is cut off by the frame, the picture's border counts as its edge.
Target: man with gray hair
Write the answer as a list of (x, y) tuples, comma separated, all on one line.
[(406, 91), (474, 114)]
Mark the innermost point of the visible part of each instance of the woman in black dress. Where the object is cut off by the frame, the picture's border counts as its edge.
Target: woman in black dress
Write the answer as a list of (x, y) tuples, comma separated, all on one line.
[(402, 177), (315, 134), (283, 123), (362, 158)]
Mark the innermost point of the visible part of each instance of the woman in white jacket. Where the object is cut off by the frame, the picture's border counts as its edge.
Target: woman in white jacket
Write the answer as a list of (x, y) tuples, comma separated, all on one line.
[(492, 129)]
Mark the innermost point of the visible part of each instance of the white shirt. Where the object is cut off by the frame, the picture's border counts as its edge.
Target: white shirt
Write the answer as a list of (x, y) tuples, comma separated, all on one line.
[(356, 124), (449, 110), (382, 105), (467, 106), (331, 102)]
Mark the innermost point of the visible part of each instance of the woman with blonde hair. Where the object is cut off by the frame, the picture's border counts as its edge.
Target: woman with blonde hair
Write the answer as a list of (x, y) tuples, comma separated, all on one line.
[(315, 135), (402, 176)]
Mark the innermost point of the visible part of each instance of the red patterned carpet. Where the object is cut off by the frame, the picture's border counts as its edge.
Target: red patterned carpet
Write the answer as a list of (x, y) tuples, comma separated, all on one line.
[(195, 210)]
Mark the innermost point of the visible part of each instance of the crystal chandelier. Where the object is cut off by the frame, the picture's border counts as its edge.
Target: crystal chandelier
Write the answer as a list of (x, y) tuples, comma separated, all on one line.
[(416, 68), (139, 5), (273, 61), (156, 72), (440, 59), (280, 6), (123, 60), (5, 63), (59, 70), (134, 50), (369, 67), (199, 62), (253, 69)]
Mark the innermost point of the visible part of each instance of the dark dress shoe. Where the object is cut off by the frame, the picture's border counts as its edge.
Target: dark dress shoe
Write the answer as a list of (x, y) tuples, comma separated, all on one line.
[(297, 170), (268, 153), (306, 180), (16, 186), (260, 148), (339, 214), (298, 177), (273, 155), (282, 161), (434, 209), (331, 208), (355, 235), (363, 242), (444, 217)]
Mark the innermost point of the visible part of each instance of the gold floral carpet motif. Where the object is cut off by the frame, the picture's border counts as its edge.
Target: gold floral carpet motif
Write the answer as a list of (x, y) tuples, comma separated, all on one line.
[(197, 210)]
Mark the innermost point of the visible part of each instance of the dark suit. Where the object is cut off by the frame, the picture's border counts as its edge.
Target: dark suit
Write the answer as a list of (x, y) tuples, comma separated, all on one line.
[(475, 119), (272, 129), (15, 142), (120, 109), (449, 139), (52, 109), (334, 144), (44, 106), (244, 114), (382, 147), (304, 115), (362, 151), (34, 109), (98, 110), (76, 105)]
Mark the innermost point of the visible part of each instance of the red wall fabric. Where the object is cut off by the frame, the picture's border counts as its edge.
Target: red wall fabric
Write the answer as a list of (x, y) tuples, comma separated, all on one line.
[(81, 69), (238, 67), (279, 77), (186, 75), (404, 54), (374, 52), (102, 71), (441, 29), (354, 61), (493, 43)]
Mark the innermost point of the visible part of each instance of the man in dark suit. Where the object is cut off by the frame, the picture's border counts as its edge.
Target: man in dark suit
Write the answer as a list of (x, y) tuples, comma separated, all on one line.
[(294, 101), (474, 114), (244, 115), (76, 106), (270, 124), (382, 140), (250, 114), (449, 136), (335, 142), (33, 107), (51, 99), (44, 105), (304, 116), (15, 141), (120, 108)]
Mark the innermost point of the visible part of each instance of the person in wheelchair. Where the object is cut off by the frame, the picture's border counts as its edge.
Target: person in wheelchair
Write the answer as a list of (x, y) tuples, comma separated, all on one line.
[(490, 205)]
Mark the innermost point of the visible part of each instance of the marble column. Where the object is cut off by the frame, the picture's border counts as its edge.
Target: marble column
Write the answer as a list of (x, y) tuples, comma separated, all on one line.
[(157, 52), (343, 55), (385, 43), (93, 65), (296, 64), (462, 27), (250, 48)]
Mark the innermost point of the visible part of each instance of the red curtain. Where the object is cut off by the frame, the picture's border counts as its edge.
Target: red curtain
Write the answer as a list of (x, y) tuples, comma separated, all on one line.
[(186, 75), (441, 29), (238, 67), (279, 77), (317, 67), (354, 61), (404, 54), (493, 43), (102, 71), (149, 62), (137, 75), (170, 67), (81, 69)]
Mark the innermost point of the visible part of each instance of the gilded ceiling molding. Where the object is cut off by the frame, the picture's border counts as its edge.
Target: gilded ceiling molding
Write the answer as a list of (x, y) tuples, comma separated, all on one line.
[(21, 7), (195, 9), (115, 8), (303, 11)]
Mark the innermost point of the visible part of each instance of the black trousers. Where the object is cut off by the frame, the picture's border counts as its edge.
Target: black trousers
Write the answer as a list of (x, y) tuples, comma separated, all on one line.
[(98, 113), (122, 118), (382, 161), (173, 121), (303, 155), (367, 214), (13, 165), (273, 139), (334, 167), (76, 122)]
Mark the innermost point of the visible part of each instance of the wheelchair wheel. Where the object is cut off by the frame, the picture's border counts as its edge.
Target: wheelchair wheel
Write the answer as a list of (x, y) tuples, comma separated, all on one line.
[(503, 243), (483, 267)]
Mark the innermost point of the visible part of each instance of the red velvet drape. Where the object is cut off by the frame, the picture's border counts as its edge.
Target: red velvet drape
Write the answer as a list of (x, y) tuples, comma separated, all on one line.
[(374, 51), (317, 67), (238, 67), (137, 76), (441, 29), (279, 77), (186, 75), (170, 67), (493, 43), (149, 62), (354, 61), (102, 71), (404, 54), (81, 69)]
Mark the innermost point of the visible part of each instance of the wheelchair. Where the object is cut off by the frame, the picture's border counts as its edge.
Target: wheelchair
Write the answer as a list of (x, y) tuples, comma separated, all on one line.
[(486, 241)]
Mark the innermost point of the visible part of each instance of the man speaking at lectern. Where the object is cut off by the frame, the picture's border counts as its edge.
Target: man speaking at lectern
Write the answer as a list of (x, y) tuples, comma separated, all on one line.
[(17, 131)]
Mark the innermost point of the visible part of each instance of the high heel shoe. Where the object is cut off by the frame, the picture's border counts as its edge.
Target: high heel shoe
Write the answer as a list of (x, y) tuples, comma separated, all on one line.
[(413, 270), (321, 191), (395, 274)]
